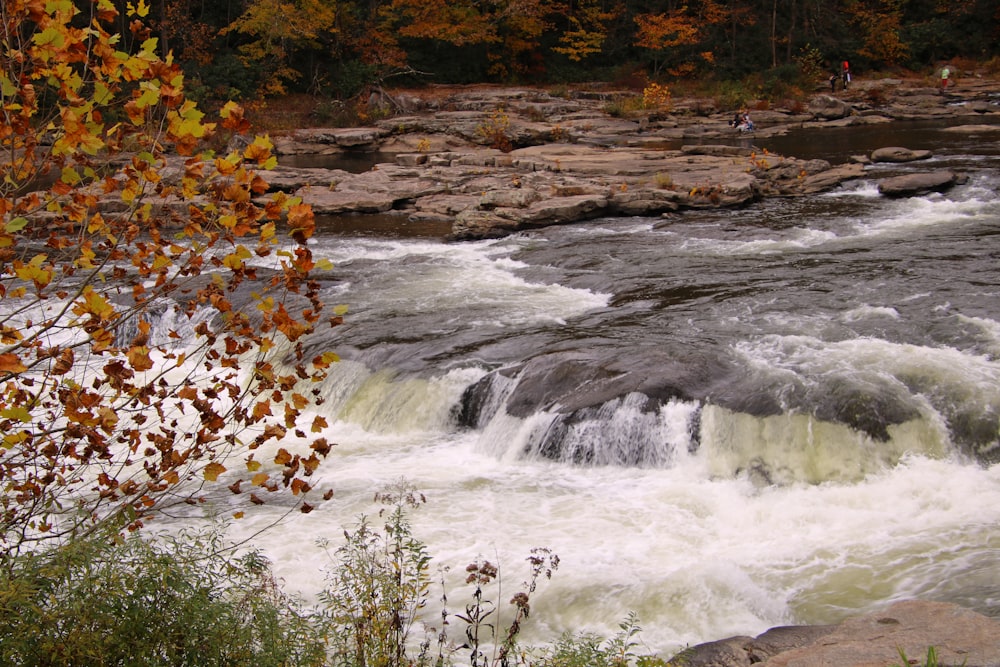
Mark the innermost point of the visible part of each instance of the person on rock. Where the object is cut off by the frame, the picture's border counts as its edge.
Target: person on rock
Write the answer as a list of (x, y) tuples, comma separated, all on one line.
[(745, 124)]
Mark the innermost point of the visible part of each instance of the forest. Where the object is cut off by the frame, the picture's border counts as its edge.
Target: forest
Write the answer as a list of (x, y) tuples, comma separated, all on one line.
[(252, 49)]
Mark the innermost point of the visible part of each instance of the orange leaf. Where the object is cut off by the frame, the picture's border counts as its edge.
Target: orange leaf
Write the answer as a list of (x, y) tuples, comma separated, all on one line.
[(11, 363), (138, 356), (261, 410)]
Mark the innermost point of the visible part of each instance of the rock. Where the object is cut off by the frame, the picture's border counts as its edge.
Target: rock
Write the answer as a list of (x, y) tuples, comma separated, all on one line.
[(897, 154), (973, 129), (917, 184), (824, 180), (330, 140), (828, 108), (958, 636)]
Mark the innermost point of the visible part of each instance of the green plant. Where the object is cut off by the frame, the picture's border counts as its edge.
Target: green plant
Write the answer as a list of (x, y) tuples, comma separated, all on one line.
[(930, 661), (624, 106), (377, 585), (589, 650), (137, 602)]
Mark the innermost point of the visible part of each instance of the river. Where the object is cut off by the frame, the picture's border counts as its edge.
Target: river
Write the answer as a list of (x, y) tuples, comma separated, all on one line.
[(722, 421)]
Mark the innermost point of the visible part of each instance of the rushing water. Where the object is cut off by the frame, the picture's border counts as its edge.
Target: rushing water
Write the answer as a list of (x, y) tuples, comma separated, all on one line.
[(723, 421)]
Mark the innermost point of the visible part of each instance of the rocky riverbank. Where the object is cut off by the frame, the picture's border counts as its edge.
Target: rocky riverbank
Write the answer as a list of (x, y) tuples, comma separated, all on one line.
[(487, 161)]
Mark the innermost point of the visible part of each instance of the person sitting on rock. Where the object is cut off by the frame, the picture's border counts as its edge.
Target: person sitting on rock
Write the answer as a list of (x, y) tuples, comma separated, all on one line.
[(745, 124)]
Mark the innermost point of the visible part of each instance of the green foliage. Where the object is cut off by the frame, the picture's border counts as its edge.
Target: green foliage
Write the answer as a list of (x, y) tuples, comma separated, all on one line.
[(810, 64), (376, 604), (589, 650), (155, 601), (378, 584), (930, 661), (734, 94), (135, 602)]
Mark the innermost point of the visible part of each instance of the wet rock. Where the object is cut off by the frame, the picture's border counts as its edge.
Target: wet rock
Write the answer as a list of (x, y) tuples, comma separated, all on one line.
[(973, 129), (910, 185), (898, 154)]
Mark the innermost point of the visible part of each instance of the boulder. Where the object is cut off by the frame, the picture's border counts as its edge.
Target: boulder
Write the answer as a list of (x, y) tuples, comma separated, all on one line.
[(973, 129), (958, 636), (910, 185), (898, 154), (826, 107)]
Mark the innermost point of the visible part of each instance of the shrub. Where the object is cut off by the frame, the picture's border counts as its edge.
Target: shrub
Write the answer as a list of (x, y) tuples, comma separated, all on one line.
[(493, 131), (589, 650), (149, 602), (378, 584), (379, 590)]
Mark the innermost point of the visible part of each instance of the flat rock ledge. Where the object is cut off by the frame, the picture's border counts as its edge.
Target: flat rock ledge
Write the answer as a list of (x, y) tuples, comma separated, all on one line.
[(486, 193), (957, 636), (571, 157)]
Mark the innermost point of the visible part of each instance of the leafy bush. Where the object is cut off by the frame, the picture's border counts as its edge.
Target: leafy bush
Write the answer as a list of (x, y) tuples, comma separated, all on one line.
[(142, 603), (589, 650), (378, 585), (376, 605)]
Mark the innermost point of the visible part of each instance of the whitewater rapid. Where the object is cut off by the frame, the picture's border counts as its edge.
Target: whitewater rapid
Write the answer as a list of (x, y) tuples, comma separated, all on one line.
[(838, 454)]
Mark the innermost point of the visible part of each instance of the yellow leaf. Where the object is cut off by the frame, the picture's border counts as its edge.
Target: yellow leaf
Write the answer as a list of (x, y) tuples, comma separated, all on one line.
[(141, 8), (260, 479), (17, 413), (213, 470)]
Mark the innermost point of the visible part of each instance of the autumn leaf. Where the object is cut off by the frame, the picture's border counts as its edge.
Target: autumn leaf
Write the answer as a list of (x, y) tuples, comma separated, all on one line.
[(11, 363), (138, 357), (213, 470)]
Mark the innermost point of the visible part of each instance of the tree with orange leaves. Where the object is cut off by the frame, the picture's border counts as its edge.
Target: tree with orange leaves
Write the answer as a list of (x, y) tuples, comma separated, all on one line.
[(130, 374), (676, 38)]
